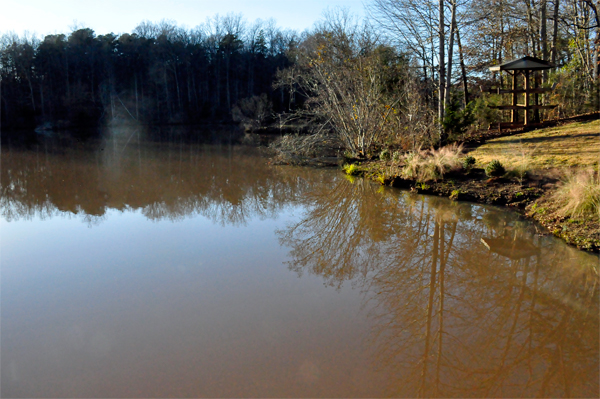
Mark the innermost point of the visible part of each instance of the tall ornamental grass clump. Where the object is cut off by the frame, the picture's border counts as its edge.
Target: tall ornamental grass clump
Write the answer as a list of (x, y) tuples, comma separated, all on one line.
[(432, 164), (579, 194)]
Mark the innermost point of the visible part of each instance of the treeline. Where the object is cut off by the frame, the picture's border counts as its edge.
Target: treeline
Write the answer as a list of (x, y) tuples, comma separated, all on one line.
[(160, 73), (412, 75), (408, 76), (455, 42)]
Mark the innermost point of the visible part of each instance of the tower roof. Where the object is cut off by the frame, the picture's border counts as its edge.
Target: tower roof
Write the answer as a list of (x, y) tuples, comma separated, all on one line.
[(522, 64)]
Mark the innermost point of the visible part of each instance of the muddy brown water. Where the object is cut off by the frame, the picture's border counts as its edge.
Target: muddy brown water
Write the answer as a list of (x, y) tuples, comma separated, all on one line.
[(138, 269)]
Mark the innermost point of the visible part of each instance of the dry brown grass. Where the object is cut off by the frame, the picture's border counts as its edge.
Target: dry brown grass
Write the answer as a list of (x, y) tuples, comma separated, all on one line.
[(432, 164), (579, 194), (570, 145)]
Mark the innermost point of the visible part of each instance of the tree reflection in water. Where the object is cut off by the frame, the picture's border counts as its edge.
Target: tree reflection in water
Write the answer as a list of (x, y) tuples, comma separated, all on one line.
[(173, 180), (451, 317)]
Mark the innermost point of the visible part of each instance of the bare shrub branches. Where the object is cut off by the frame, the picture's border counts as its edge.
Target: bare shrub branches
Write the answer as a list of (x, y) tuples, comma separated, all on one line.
[(358, 88), (304, 149)]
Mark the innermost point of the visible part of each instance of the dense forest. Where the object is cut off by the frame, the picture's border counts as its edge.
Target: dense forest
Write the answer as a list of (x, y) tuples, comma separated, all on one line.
[(158, 74), (414, 67)]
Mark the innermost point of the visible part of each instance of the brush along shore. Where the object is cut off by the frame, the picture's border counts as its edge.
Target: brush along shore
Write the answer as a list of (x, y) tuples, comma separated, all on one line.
[(550, 174), (534, 196)]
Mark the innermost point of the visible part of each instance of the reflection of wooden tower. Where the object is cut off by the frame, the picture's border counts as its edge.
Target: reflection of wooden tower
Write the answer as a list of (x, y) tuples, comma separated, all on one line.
[(511, 248), (526, 66)]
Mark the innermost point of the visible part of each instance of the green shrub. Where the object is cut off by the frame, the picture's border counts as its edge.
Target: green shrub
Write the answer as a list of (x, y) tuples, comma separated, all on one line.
[(495, 169), (396, 156), (351, 169), (455, 194), (483, 114), (468, 162), (457, 119), (385, 155)]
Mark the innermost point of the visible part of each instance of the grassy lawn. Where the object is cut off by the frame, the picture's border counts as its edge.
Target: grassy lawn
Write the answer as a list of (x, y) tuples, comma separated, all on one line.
[(569, 145)]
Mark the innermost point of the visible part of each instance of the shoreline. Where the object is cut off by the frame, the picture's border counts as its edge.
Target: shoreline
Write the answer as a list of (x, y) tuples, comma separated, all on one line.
[(531, 198)]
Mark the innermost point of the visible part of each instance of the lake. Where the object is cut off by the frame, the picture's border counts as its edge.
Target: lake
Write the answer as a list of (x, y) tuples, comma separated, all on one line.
[(134, 267)]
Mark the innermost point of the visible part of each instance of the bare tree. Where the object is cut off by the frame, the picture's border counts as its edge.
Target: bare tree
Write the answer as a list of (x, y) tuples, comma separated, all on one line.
[(339, 72)]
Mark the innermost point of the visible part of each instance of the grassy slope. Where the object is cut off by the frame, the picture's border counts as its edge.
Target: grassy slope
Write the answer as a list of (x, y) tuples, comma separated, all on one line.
[(569, 145)]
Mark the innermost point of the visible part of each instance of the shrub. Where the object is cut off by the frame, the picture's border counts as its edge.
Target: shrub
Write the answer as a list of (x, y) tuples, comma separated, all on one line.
[(428, 170), (396, 156), (252, 112), (485, 115), (432, 164), (385, 155), (468, 162), (495, 169), (521, 163), (351, 170), (457, 120), (579, 194), (519, 173), (447, 158), (412, 161), (298, 149)]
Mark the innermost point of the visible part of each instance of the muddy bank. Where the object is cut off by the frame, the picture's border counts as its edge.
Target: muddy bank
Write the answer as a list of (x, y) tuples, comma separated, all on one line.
[(531, 197)]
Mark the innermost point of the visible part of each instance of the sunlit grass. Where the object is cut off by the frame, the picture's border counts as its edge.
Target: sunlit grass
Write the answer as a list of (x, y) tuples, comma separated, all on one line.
[(579, 194), (570, 145)]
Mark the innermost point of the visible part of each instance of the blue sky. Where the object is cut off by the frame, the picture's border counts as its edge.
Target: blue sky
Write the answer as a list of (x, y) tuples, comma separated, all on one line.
[(43, 17)]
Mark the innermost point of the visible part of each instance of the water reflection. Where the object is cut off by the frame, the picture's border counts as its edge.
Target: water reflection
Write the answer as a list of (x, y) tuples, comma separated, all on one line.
[(227, 184), (451, 317)]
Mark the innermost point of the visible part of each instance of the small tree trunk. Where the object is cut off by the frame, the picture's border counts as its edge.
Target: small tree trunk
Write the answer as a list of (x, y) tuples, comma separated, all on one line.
[(543, 37), (530, 29), (68, 80), (228, 92), (442, 73), (31, 93), (42, 99), (167, 91), (189, 88), (137, 113), (555, 31), (463, 69), (177, 87), (450, 54), (596, 59)]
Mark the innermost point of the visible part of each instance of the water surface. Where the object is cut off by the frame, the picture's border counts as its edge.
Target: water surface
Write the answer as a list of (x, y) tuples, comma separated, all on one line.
[(133, 268)]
